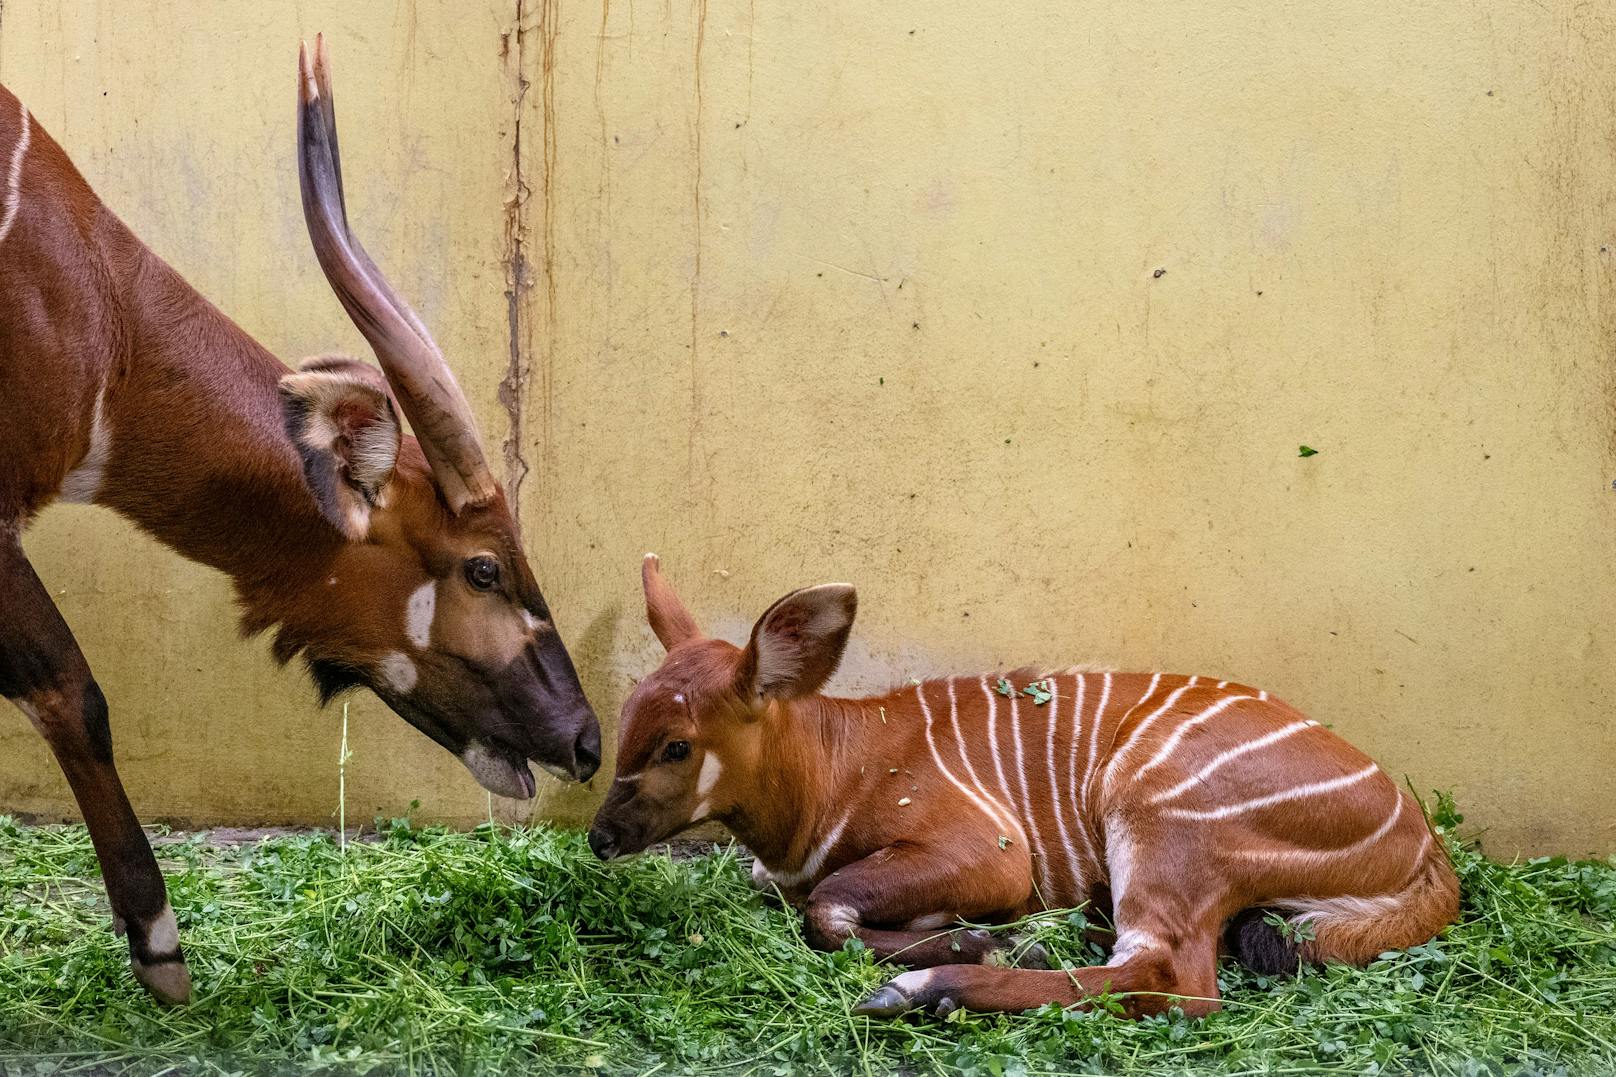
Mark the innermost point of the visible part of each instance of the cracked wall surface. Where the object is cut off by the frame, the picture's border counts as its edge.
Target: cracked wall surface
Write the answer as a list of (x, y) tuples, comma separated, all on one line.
[(1015, 318)]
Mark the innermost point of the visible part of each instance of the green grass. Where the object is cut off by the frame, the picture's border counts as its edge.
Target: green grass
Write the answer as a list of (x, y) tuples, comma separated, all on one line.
[(509, 951)]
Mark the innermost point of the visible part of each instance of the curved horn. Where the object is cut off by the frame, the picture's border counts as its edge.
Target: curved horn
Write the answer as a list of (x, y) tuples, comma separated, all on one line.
[(421, 379)]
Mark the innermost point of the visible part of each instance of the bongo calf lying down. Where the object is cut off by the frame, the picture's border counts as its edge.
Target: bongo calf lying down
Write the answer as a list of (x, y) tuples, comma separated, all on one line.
[(1198, 810)]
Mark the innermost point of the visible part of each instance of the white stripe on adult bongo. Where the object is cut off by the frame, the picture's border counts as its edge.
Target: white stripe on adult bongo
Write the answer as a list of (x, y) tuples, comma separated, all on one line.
[(13, 195)]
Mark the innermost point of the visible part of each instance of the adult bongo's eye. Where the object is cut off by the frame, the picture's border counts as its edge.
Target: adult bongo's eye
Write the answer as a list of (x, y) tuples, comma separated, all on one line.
[(482, 572), (676, 751)]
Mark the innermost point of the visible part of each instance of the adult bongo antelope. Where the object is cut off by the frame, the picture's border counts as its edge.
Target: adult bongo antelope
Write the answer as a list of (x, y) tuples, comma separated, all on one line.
[(384, 561), (1191, 808)]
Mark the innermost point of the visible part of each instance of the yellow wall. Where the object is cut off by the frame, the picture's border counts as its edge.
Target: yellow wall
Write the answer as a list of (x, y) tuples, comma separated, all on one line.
[(870, 292)]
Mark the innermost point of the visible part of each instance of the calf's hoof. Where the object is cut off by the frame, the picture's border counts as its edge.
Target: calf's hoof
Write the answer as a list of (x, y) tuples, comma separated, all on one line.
[(1018, 954), (168, 981), (906, 993)]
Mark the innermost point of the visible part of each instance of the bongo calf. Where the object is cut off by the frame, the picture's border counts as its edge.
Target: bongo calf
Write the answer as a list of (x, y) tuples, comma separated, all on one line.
[(1200, 811)]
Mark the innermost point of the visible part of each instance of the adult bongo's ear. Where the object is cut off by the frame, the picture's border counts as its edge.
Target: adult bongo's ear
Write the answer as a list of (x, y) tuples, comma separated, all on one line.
[(798, 642), (341, 419)]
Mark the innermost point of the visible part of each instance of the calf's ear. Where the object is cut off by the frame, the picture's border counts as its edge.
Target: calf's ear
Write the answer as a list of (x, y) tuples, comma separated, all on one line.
[(664, 610), (343, 423), (797, 644)]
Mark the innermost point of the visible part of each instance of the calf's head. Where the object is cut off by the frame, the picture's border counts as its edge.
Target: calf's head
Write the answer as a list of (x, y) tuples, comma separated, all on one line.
[(693, 736), (426, 597)]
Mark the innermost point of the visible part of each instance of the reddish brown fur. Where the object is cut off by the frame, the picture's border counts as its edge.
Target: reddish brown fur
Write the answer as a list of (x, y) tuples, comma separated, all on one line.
[(874, 814), (196, 450)]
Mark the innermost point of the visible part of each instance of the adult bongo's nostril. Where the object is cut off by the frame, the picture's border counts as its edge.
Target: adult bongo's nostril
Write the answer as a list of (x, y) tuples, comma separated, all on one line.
[(586, 752), (602, 843)]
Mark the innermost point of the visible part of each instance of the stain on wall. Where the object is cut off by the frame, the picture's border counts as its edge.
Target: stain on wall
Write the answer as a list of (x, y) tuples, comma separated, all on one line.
[(1014, 317)]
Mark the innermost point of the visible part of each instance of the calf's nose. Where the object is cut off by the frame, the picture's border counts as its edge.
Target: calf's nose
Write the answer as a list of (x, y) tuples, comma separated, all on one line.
[(602, 843)]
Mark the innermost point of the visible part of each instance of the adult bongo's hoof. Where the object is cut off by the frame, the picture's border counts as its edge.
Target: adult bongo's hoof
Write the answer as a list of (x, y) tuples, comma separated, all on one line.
[(168, 981)]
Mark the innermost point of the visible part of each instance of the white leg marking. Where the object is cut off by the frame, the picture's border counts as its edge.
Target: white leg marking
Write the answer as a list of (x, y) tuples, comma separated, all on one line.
[(930, 922), (1324, 910), (711, 768), (1183, 729), (840, 920), (80, 485), (703, 809), (1118, 860), (32, 712), (1121, 753), (399, 672), (1001, 818), (420, 612), (13, 195), (1257, 803), (912, 983), (163, 933), (1130, 944), (1233, 753)]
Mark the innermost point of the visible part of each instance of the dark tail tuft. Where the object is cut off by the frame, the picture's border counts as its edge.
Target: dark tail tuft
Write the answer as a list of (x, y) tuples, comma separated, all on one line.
[(1258, 944)]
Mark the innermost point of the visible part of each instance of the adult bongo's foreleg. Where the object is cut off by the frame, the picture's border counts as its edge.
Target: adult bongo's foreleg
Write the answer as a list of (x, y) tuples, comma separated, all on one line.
[(43, 672)]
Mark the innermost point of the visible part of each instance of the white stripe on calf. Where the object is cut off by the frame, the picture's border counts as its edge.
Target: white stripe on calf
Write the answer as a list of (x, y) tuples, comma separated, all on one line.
[(1093, 754), (1233, 753), (1000, 818), (1183, 728), (1361, 845), (1054, 783), (1139, 731), (13, 193), (1079, 823), (959, 738), (993, 744), (1041, 858), (814, 861), (1311, 789)]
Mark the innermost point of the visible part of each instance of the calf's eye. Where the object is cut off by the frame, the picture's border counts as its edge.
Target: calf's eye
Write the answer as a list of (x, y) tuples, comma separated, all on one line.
[(676, 751), (482, 572)]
